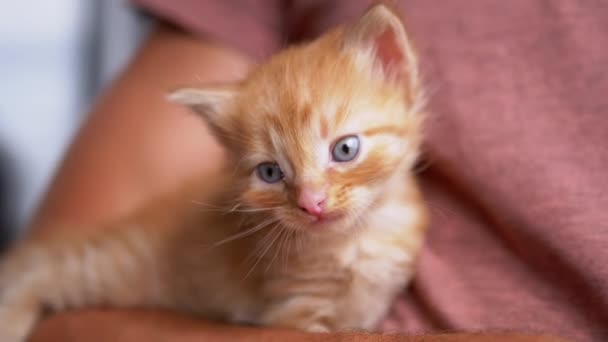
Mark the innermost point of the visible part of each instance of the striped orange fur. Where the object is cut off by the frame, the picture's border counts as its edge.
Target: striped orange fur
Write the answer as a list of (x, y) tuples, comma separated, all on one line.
[(250, 252)]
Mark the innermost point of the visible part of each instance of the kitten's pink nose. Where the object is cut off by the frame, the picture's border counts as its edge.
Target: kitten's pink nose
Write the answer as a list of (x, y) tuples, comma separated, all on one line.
[(312, 201)]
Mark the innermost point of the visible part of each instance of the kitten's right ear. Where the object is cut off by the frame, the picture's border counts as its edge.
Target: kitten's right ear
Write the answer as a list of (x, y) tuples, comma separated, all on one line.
[(381, 35), (211, 103)]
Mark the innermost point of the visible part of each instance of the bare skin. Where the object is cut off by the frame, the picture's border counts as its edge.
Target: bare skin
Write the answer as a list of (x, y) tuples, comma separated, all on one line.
[(135, 146), (127, 326)]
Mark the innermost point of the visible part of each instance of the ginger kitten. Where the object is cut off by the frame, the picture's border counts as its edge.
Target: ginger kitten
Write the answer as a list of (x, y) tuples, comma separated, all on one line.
[(316, 225)]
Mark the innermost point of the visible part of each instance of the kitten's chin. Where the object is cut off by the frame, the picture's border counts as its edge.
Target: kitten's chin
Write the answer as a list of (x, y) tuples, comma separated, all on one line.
[(331, 223)]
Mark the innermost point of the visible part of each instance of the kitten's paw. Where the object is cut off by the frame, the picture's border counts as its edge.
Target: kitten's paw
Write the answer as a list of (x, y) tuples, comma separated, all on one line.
[(302, 314), (15, 328), (316, 327), (17, 317), (304, 324), (7, 336)]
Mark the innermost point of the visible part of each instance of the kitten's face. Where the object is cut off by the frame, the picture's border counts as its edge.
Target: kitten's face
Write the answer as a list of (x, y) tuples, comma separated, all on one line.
[(321, 138), (321, 131)]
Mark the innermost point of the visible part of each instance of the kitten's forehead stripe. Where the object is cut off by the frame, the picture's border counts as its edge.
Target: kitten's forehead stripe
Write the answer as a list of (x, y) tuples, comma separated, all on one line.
[(305, 114), (267, 142), (324, 127), (342, 114), (386, 130)]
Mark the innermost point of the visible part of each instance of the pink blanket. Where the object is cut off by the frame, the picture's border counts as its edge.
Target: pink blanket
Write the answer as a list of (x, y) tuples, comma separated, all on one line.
[(517, 157)]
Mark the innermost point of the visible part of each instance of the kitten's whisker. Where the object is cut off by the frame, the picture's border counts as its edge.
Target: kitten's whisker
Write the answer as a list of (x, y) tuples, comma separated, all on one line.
[(262, 243), (205, 204), (298, 247), (441, 210), (422, 165), (236, 167), (209, 210), (289, 239), (235, 207), (282, 234), (253, 210), (247, 232), (278, 225), (284, 247), (292, 238), (214, 207), (358, 220)]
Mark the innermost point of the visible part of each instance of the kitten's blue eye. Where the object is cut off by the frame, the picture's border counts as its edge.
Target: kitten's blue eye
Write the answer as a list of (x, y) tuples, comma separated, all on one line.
[(269, 172), (346, 149)]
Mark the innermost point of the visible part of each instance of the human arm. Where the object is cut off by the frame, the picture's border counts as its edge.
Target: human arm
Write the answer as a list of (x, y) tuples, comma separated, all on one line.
[(127, 326), (135, 146)]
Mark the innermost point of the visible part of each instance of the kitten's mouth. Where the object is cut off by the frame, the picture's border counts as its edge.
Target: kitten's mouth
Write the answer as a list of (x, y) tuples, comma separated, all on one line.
[(325, 219)]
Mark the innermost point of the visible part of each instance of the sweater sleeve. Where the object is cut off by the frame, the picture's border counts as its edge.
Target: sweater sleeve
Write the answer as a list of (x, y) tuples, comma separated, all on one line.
[(253, 27)]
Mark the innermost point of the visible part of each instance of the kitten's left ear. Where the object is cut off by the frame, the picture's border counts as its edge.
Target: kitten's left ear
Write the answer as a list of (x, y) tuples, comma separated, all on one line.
[(211, 103), (380, 32)]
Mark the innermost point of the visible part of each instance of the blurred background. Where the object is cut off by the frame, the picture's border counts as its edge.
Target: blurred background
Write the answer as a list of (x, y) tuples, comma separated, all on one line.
[(55, 56)]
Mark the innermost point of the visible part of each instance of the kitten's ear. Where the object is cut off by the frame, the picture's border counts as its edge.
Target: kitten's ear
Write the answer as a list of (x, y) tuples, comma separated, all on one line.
[(211, 103), (380, 32)]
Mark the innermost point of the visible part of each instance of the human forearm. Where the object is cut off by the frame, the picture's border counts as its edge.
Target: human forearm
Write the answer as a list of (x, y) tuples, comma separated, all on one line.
[(135, 145), (130, 326)]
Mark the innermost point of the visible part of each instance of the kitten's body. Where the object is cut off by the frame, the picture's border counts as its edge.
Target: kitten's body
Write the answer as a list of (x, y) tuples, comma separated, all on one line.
[(244, 254)]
